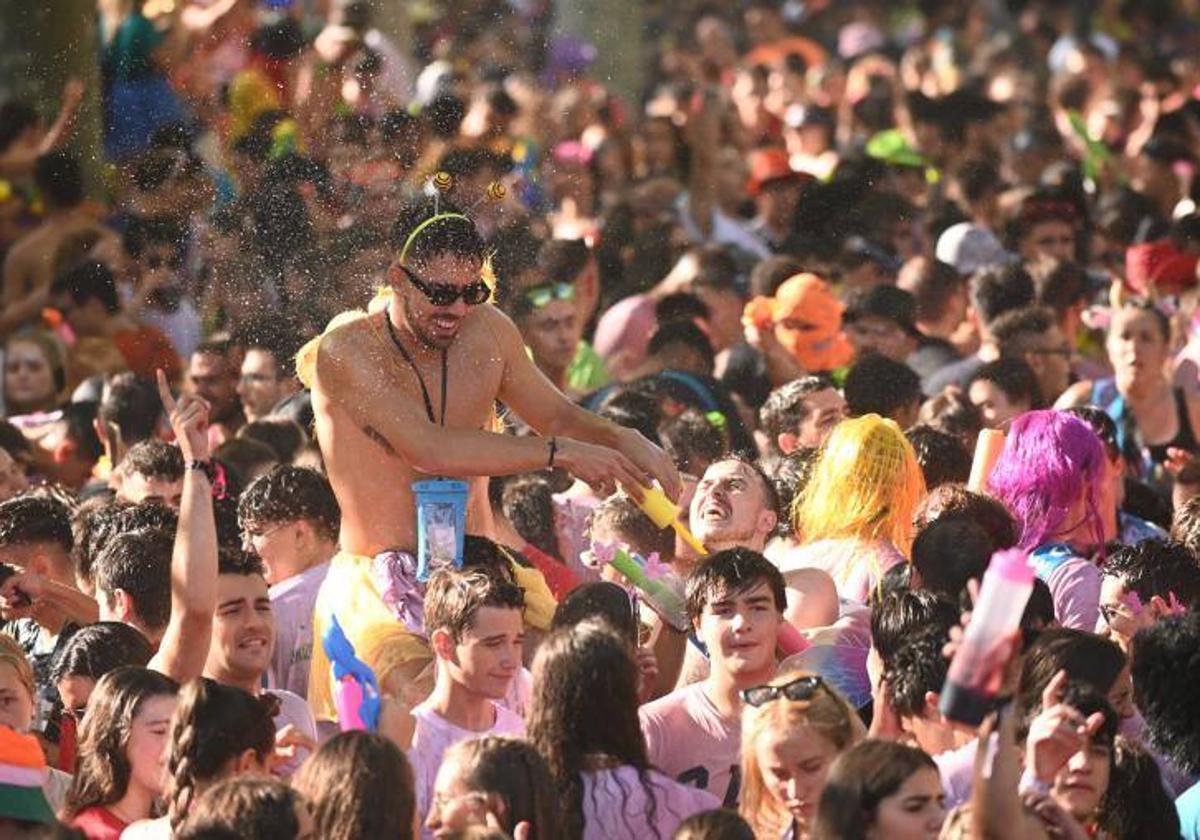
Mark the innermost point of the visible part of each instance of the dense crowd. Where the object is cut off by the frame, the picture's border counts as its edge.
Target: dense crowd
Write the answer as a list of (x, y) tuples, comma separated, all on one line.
[(406, 433)]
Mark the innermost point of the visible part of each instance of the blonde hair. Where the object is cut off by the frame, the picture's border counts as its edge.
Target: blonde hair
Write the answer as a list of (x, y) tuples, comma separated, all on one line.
[(826, 713), (11, 654), (866, 485)]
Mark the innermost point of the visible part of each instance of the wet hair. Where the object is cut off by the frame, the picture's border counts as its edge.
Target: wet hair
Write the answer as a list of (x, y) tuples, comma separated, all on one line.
[(139, 563), (942, 456), (1156, 567), (785, 409), (879, 385), (949, 551), (59, 177), (453, 597), (952, 499), (732, 572), (1050, 459), (1087, 658), (513, 771), (826, 714), (620, 514), (860, 779), (916, 668), (132, 405), (288, 494), (453, 236), (32, 520), (102, 769), (88, 280), (899, 615), (154, 459), (237, 561), (1166, 682), (599, 599), (692, 441), (585, 702), (214, 724), (528, 504), (360, 784), (251, 808), (994, 290), (96, 649), (1136, 804)]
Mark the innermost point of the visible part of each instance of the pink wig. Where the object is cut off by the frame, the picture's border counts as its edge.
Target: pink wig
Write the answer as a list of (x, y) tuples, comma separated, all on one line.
[(1050, 459)]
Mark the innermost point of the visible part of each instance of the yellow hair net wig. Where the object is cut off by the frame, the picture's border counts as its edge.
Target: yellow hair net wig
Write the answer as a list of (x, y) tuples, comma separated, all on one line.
[(866, 485)]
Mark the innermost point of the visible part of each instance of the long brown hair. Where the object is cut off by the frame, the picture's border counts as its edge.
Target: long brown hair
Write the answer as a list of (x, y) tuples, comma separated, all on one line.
[(360, 785), (859, 780), (826, 713), (515, 772), (585, 705), (213, 725), (102, 768)]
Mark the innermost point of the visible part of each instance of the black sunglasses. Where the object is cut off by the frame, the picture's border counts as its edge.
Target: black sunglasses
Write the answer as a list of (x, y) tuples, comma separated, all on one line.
[(445, 294), (799, 689)]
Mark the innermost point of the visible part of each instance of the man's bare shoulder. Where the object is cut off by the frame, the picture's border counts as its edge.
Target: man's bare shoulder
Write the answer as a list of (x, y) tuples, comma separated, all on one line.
[(491, 321), (350, 337)]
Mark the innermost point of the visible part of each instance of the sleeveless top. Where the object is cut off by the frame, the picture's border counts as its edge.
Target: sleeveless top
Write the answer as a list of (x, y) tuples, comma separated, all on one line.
[(1146, 458)]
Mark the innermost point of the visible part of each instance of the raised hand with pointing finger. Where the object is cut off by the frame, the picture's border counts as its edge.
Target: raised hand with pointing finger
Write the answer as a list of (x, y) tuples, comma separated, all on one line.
[(189, 421)]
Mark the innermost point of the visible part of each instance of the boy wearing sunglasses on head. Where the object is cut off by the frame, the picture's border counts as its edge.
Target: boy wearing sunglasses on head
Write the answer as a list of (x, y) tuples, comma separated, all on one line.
[(407, 393), (735, 600)]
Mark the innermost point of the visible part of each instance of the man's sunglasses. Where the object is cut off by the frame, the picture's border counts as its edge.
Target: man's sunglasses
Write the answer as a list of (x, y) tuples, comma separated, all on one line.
[(445, 294), (799, 689), (539, 296)]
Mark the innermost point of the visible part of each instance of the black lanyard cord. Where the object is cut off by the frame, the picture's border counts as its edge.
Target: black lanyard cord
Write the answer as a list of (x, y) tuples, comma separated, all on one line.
[(387, 319)]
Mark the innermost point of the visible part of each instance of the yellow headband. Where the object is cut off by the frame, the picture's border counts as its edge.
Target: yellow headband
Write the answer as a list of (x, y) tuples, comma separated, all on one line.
[(437, 217)]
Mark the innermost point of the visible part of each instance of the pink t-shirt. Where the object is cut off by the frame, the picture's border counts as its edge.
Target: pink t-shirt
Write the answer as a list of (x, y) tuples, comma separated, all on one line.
[(292, 603), (434, 735), (690, 741), (616, 805)]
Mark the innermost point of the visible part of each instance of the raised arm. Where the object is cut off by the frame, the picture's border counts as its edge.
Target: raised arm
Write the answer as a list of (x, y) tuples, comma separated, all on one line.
[(185, 644), (349, 374)]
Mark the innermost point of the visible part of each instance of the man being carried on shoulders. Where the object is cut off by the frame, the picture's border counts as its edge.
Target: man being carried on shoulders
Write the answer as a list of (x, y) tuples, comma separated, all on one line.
[(407, 393)]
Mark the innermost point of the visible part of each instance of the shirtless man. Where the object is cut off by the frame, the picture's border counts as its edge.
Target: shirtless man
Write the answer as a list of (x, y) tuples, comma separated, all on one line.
[(408, 393), (30, 264)]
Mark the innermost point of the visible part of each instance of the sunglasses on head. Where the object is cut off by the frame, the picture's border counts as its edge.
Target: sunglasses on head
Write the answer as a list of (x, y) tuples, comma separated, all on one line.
[(799, 689), (539, 296), (445, 294)]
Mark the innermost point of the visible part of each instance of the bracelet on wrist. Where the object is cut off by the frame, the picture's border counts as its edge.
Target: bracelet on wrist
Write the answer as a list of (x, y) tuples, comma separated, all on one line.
[(553, 452)]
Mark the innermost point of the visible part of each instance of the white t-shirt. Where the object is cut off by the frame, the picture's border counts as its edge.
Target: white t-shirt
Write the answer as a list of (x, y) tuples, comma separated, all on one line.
[(434, 735), (295, 711)]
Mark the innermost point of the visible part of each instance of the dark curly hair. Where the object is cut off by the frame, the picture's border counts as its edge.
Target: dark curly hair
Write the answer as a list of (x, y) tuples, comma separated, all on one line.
[(1166, 686), (1156, 567), (288, 494)]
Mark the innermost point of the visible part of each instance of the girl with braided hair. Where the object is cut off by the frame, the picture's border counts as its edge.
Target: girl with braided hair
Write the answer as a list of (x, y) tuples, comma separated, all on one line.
[(119, 771), (218, 732)]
